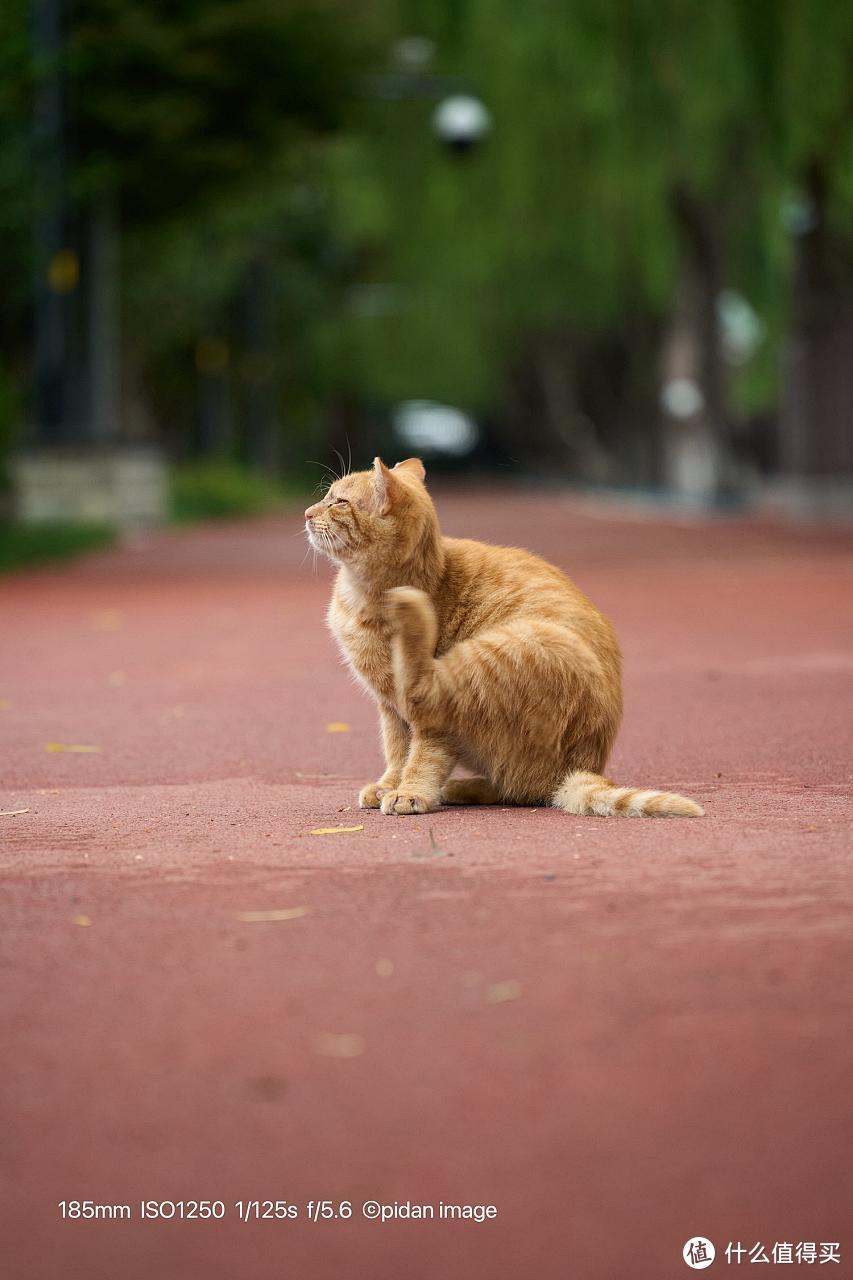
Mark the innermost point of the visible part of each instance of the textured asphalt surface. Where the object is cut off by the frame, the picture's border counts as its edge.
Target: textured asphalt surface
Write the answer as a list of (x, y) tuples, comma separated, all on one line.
[(620, 1033)]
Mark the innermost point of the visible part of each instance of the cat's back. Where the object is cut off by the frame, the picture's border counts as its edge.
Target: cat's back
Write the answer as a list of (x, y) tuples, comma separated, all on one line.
[(485, 585)]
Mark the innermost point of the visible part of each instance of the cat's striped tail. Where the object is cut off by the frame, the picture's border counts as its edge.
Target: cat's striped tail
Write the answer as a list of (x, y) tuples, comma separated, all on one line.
[(588, 793)]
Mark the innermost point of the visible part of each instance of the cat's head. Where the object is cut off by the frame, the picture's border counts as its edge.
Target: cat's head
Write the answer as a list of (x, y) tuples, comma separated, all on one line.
[(368, 516)]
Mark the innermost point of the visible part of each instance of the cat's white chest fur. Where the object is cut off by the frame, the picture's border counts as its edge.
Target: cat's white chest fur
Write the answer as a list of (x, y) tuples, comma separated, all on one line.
[(364, 638)]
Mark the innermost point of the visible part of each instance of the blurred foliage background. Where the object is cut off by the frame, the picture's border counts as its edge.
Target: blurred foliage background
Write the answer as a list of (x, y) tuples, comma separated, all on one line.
[(665, 199)]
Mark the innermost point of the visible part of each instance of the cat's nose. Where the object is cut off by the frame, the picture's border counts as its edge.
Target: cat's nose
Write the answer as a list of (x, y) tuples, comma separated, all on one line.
[(309, 513)]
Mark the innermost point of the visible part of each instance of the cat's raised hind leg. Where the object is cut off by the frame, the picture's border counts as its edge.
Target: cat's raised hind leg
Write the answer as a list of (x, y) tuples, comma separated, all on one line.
[(415, 635), (431, 754)]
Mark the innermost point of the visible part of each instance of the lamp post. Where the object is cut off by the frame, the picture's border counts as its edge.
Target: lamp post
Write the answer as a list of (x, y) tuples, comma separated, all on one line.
[(56, 266), (460, 122), (74, 466)]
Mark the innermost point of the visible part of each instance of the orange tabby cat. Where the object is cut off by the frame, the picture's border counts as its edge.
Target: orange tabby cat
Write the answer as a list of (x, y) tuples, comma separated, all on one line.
[(483, 656)]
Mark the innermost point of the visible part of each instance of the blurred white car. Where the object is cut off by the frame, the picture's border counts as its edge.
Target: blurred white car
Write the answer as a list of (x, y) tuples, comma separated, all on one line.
[(425, 427)]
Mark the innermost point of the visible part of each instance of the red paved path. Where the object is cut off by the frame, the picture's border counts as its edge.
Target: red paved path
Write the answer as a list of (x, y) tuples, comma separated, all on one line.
[(678, 1057)]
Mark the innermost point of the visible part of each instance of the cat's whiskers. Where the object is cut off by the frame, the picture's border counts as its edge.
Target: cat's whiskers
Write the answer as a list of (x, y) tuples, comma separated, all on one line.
[(329, 472), (308, 549), (344, 468)]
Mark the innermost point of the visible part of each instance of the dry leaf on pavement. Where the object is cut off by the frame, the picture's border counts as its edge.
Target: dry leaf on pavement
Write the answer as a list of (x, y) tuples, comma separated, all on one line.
[(335, 831), (498, 992), (283, 913)]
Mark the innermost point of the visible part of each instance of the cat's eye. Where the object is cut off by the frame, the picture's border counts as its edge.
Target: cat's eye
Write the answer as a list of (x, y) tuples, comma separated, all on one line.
[(340, 502)]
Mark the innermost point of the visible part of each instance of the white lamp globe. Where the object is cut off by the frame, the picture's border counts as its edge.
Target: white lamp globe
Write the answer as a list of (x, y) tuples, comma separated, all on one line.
[(461, 121)]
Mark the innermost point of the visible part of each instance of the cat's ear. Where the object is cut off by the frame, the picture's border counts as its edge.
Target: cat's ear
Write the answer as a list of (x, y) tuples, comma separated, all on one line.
[(414, 466), (383, 485)]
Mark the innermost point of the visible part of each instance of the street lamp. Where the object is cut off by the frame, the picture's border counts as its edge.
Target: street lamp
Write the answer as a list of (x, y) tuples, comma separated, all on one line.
[(461, 122)]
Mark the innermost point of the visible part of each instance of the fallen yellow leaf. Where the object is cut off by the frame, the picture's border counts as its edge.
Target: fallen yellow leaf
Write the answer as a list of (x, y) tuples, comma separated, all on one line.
[(335, 831), (11, 813), (331, 1045), (283, 913), (498, 992), (337, 726), (83, 921), (80, 748)]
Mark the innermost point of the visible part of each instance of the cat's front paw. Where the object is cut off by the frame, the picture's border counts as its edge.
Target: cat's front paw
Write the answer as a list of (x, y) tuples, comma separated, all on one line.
[(399, 803), (370, 797)]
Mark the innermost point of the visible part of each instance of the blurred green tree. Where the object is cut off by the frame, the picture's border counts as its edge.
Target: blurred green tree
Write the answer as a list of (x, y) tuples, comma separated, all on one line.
[(171, 110), (642, 155), (286, 244), (176, 100)]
